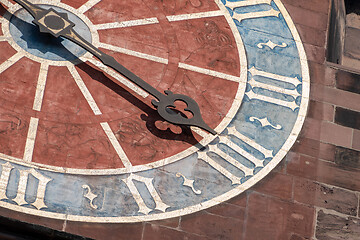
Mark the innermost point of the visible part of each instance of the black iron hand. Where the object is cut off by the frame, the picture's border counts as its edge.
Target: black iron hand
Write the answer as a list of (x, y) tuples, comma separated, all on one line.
[(59, 25)]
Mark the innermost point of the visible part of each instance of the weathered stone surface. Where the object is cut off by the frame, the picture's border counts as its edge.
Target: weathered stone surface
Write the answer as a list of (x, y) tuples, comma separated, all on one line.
[(315, 148), (348, 81), (269, 218), (335, 96), (155, 232), (332, 227), (170, 222), (347, 117), (314, 53), (212, 226), (18, 230), (317, 194), (228, 211), (324, 172), (345, 157), (352, 48), (321, 74), (336, 134), (308, 18), (356, 140), (277, 185), (321, 111), (316, 5), (106, 231)]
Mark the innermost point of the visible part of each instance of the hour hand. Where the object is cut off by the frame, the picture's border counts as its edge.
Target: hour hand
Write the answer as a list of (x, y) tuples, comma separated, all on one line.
[(31, 8), (58, 24)]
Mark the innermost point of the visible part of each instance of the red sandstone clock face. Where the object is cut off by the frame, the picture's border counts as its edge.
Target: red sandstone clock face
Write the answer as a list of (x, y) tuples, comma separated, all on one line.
[(96, 148), (69, 107)]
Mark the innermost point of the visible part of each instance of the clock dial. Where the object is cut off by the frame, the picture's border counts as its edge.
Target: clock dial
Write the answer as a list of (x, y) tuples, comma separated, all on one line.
[(78, 141), (75, 105)]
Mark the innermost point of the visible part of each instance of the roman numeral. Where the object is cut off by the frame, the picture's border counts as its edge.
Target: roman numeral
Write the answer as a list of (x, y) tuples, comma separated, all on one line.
[(229, 159), (259, 14), (159, 204), (291, 92), (234, 179), (22, 185), (267, 153)]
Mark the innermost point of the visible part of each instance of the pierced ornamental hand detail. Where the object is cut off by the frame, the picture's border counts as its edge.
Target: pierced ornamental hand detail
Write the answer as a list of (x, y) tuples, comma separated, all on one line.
[(58, 24)]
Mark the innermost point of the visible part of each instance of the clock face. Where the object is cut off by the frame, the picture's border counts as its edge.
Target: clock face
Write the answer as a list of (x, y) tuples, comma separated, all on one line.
[(78, 141)]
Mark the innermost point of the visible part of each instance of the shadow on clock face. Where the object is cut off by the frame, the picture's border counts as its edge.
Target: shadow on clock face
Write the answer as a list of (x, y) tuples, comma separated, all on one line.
[(154, 123), (26, 34), (46, 45)]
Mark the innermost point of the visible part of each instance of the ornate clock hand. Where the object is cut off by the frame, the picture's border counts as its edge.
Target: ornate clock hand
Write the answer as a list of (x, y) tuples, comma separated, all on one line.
[(58, 24)]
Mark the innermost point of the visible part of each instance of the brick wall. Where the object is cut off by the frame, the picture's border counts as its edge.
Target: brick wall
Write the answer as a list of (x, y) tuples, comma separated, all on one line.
[(314, 192)]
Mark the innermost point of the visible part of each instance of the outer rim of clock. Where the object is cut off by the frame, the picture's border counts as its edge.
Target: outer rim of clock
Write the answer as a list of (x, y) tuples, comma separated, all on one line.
[(224, 197), (95, 38)]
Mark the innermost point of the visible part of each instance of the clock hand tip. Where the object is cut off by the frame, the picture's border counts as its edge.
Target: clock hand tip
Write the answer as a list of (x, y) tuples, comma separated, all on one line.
[(212, 131), (205, 127)]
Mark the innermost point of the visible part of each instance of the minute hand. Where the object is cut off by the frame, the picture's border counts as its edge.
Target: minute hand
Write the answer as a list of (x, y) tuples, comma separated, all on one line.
[(59, 25), (111, 62), (163, 101)]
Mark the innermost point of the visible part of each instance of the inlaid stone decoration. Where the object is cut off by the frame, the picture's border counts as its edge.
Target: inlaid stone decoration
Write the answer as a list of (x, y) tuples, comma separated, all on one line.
[(81, 142)]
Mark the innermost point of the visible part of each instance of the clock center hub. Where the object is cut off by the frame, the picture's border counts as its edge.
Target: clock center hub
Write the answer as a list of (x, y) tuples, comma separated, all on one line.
[(54, 22), (28, 36)]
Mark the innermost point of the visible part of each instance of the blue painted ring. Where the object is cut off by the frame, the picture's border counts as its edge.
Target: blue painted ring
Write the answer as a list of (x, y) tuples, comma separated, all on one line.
[(27, 35)]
